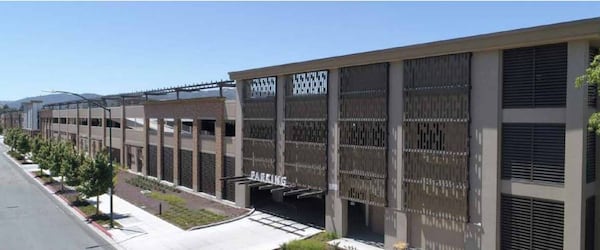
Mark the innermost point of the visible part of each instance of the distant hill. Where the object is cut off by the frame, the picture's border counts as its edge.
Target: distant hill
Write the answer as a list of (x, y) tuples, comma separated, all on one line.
[(47, 99)]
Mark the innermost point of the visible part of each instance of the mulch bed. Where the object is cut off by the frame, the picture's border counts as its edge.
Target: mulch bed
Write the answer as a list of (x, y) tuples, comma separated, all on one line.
[(134, 195)]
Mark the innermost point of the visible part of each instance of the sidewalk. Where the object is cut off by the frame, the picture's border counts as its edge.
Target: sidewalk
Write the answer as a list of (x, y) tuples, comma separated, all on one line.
[(142, 230)]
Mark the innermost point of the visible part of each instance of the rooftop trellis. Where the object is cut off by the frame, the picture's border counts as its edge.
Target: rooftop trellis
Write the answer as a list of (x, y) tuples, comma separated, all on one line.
[(142, 96)]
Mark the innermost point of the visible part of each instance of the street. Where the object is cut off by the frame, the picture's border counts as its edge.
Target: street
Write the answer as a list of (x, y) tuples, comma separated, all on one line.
[(31, 219)]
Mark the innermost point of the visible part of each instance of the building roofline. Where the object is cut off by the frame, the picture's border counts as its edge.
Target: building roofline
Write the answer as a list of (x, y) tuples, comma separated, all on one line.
[(550, 33)]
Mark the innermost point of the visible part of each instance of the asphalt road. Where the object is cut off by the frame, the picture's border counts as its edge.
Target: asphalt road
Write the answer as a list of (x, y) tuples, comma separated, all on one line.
[(31, 219)]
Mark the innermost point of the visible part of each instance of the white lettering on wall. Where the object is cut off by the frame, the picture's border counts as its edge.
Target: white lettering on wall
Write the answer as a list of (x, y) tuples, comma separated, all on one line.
[(268, 178)]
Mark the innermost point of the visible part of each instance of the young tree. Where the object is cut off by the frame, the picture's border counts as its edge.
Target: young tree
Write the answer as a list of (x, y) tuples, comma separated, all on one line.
[(36, 144), (55, 158), (22, 143), (71, 165), (10, 138), (42, 156), (592, 77), (96, 177)]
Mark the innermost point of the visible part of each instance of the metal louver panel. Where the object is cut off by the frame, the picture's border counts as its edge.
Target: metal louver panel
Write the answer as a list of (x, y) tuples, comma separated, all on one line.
[(590, 167), (229, 171), (592, 89), (167, 164), (535, 76), (534, 152), (152, 160), (590, 223), (185, 168), (207, 173), (528, 223)]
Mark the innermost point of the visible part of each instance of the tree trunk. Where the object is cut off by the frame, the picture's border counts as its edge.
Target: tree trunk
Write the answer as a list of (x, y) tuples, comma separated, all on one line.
[(97, 204), (62, 184)]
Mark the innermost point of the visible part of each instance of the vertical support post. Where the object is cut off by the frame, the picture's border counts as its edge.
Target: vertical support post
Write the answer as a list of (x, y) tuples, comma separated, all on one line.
[(89, 140), (219, 134), (280, 126), (336, 209), (486, 127), (123, 153), (110, 159), (78, 142), (159, 147), (242, 192), (195, 151), (176, 149), (396, 222), (146, 146), (575, 141), (104, 127)]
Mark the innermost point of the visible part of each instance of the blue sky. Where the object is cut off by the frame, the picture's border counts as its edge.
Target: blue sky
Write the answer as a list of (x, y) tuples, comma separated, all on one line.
[(111, 47)]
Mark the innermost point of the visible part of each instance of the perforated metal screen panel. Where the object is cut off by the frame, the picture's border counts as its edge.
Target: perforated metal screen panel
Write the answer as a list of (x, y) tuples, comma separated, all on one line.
[(259, 127), (229, 171), (152, 160), (535, 76), (363, 124), (207, 173), (185, 168), (533, 152), (167, 164), (306, 131), (436, 135), (528, 223)]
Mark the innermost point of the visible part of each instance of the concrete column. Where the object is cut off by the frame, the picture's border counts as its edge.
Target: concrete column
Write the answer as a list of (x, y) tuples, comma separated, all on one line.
[(146, 143), (123, 132), (176, 148), (396, 224), (280, 124), (242, 193), (78, 142), (89, 143), (575, 141), (336, 216), (219, 144), (104, 128), (195, 151), (484, 169), (159, 147)]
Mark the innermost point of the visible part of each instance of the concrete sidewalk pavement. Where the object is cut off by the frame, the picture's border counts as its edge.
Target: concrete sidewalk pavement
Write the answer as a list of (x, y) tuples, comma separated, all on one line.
[(142, 230)]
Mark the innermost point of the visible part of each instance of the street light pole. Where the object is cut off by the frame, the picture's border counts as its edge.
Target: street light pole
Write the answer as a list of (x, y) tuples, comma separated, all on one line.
[(112, 187), (110, 159)]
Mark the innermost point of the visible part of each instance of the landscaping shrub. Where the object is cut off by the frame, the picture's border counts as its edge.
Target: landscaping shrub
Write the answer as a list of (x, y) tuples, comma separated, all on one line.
[(316, 242)]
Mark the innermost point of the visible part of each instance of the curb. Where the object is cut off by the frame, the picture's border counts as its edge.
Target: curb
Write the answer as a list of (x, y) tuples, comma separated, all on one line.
[(223, 222)]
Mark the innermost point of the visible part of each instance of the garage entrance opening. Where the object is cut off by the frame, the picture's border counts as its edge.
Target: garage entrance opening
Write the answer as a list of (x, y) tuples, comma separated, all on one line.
[(309, 211), (366, 223)]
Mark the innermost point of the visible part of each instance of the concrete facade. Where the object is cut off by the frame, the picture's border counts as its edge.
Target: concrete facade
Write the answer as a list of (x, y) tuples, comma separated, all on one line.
[(487, 188), (158, 123)]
